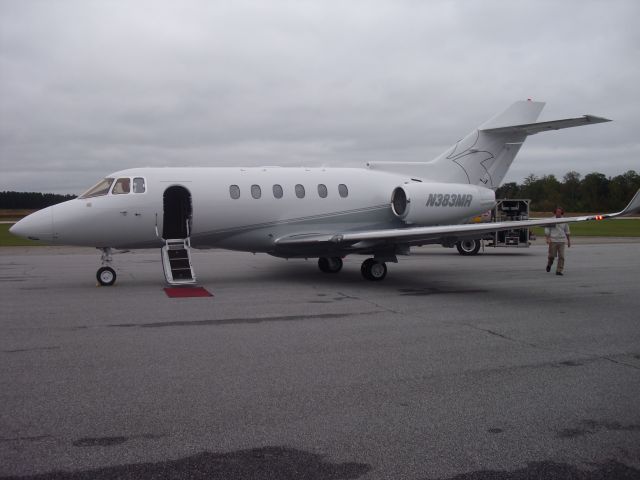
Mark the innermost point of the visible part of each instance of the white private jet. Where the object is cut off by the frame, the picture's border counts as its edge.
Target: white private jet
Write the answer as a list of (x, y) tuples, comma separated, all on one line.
[(380, 210)]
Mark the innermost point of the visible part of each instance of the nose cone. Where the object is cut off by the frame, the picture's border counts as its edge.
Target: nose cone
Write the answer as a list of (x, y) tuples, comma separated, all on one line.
[(37, 226)]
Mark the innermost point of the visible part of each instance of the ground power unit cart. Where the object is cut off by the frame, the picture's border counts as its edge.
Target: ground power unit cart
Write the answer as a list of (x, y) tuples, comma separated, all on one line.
[(506, 210)]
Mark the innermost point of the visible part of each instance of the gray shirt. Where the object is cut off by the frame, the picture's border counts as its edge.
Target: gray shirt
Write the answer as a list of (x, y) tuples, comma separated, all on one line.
[(558, 233)]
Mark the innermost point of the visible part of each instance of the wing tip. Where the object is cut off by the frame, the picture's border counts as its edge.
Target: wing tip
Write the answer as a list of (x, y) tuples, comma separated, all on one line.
[(633, 206), (596, 119)]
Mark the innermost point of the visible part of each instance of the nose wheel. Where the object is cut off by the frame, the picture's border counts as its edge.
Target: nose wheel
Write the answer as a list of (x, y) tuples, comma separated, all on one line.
[(106, 276), (373, 270)]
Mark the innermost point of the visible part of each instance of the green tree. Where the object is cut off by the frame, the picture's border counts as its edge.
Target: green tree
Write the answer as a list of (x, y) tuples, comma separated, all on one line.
[(571, 191), (595, 192), (549, 194), (530, 187), (31, 200), (508, 190), (622, 188)]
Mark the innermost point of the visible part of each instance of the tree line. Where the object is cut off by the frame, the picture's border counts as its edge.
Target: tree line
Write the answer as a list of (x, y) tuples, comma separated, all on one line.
[(595, 192), (31, 200)]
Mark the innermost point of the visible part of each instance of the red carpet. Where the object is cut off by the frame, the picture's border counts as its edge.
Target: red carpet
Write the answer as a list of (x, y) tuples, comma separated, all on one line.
[(186, 292)]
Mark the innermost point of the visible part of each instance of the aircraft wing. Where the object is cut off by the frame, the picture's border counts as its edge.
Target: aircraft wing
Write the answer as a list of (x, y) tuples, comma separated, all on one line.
[(533, 128), (436, 234)]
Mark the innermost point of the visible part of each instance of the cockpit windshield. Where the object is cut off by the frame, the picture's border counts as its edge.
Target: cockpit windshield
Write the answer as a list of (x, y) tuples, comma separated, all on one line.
[(99, 189)]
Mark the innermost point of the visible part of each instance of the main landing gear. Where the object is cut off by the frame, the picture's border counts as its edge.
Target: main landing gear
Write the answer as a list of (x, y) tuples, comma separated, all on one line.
[(106, 275), (371, 269), (330, 264)]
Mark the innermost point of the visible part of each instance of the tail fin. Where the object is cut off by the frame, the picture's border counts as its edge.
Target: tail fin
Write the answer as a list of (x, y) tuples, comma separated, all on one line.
[(484, 156)]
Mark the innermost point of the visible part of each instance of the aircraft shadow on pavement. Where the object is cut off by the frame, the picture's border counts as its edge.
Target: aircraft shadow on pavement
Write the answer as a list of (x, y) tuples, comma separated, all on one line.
[(405, 281), (283, 463), (607, 470), (256, 464)]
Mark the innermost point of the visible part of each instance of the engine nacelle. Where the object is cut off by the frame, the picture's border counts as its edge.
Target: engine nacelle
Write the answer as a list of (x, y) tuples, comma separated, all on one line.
[(437, 203)]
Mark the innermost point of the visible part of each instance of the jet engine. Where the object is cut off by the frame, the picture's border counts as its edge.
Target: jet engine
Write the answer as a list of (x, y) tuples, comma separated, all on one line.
[(439, 203)]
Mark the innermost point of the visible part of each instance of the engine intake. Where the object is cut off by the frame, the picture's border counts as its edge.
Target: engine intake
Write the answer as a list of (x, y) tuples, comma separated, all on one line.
[(436, 203)]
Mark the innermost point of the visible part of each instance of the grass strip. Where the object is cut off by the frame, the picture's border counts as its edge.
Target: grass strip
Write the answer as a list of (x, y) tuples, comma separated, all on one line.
[(7, 239), (605, 228)]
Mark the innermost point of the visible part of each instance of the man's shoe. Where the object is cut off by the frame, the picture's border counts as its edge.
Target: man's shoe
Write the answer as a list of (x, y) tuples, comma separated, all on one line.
[(559, 273), (548, 268)]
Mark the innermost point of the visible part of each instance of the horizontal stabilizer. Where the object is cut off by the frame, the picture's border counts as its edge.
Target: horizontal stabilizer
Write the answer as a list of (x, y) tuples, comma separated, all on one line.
[(533, 128)]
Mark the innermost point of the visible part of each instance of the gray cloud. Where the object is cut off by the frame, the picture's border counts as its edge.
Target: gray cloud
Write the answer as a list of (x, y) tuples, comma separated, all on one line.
[(87, 88)]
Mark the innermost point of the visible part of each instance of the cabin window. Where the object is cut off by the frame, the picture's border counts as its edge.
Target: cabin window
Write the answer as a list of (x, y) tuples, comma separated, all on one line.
[(256, 192), (138, 185), (99, 189), (234, 192), (343, 190), (322, 191), (123, 185), (299, 191), (277, 191)]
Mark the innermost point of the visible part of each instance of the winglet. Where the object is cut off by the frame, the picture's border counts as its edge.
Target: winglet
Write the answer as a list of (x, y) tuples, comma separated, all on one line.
[(633, 207)]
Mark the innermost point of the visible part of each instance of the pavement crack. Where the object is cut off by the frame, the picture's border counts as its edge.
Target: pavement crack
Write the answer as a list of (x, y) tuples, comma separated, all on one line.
[(587, 355), (503, 336), (370, 302), (618, 362), (25, 439), (238, 321), (34, 349), (590, 427)]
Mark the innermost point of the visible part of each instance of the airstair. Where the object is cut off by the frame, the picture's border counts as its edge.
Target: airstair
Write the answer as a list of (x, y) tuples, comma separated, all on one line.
[(176, 235), (176, 262)]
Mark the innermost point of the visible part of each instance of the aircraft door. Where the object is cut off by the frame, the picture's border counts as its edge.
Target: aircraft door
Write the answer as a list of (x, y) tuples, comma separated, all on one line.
[(177, 212)]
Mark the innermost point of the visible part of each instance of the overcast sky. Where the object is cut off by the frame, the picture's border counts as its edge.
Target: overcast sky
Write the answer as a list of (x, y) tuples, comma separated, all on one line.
[(91, 87)]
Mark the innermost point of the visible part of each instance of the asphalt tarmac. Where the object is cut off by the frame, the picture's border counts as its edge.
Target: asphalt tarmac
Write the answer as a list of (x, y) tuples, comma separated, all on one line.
[(452, 368)]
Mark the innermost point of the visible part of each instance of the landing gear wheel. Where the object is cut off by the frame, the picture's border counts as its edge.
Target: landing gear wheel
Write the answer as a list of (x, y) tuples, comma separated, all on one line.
[(106, 276), (330, 264), (468, 247), (373, 270)]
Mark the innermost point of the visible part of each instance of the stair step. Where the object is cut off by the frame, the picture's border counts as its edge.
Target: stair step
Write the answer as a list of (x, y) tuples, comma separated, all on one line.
[(177, 262), (178, 254), (180, 263), (182, 275)]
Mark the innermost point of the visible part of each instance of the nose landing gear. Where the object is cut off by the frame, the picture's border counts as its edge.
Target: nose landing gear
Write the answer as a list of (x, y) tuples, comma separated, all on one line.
[(106, 275)]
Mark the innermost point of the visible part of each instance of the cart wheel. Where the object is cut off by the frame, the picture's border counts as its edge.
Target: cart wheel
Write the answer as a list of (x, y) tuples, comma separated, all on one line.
[(468, 247)]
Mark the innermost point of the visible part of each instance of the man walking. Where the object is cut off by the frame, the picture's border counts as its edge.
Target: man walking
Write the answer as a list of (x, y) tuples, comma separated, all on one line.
[(557, 237)]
